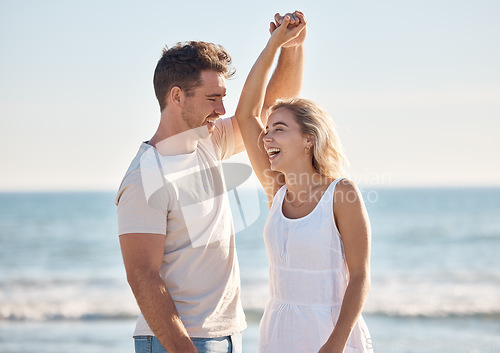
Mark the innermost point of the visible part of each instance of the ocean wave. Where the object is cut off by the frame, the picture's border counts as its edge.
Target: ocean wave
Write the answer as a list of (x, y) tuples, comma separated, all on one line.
[(253, 315), (71, 300), (51, 300), (439, 315), (80, 309), (405, 299), (51, 316)]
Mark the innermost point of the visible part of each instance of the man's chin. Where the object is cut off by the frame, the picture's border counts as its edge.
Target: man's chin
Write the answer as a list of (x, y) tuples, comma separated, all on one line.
[(210, 127), (199, 133)]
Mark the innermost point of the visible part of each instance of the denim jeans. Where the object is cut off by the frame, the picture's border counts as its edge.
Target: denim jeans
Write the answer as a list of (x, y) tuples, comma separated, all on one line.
[(227, 344)]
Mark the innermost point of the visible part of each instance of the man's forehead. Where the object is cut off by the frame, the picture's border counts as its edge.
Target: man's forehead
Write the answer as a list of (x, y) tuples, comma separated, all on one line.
[(213, 80)]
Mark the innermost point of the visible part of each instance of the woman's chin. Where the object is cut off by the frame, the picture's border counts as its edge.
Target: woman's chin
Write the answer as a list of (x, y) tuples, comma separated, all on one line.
[(275, 168)]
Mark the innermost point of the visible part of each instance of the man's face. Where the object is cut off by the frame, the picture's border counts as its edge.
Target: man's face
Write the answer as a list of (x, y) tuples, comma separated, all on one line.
[(205, 105)]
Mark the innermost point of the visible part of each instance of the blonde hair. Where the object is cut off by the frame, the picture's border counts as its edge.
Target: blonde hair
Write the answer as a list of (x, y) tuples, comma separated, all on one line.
[(328, 155)]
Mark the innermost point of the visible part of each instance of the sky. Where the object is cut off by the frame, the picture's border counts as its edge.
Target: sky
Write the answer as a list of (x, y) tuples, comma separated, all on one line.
[(413, 86)]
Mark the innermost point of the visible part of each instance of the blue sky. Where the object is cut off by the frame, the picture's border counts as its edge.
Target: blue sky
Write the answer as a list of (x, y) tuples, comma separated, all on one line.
[(414, 86)]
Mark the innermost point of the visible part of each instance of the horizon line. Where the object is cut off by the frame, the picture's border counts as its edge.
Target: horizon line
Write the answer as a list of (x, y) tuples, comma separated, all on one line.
[(361, 186)]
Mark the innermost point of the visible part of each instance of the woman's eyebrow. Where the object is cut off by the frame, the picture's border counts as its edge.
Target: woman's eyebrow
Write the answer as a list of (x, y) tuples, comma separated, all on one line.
[(277, 123)]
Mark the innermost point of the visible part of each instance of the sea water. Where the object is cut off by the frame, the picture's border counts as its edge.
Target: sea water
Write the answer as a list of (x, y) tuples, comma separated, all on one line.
[(435, 271)]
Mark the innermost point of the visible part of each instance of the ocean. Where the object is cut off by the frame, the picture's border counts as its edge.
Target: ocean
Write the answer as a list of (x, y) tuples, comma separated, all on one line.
[(435, 271)]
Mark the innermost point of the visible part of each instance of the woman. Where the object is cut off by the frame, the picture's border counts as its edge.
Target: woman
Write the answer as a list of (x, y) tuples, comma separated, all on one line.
[(317, 234)]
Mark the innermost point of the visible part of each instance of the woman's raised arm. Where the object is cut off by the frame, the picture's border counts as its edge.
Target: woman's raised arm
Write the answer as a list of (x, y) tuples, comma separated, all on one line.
[(252, 99)]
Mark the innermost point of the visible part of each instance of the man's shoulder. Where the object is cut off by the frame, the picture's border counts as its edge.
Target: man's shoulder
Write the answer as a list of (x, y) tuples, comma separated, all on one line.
[(223, 129), (221, 141), (143, 162), (144, 159)]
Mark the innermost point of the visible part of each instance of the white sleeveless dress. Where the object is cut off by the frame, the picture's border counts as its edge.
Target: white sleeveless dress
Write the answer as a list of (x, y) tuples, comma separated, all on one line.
[(307, 279)]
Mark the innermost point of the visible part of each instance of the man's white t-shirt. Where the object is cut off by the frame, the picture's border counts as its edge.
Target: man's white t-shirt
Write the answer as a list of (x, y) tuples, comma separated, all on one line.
[(184, 198)]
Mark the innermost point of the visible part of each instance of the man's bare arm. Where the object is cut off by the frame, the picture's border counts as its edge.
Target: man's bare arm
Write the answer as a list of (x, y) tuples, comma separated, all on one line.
[(142, 256)]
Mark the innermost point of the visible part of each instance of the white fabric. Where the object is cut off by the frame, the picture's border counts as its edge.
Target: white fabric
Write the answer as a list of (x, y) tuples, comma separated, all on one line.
[(307, 279), (184, 198)]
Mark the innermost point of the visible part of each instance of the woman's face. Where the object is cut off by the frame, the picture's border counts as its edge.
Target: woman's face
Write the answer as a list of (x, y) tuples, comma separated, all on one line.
[(284, 142)]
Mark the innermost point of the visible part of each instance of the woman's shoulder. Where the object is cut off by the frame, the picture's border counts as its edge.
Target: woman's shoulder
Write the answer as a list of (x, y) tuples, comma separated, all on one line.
[(346, 191), (345, 184)]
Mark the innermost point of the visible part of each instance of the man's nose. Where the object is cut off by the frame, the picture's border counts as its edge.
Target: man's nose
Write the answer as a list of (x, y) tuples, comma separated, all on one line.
[(220, 110)]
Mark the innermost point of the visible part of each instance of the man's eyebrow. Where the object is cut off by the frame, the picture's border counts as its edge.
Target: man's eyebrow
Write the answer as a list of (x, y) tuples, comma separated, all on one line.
[(277, 123), (215, 95)]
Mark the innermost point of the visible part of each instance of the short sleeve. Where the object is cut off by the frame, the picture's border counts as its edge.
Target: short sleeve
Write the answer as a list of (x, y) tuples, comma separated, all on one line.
[(223, 137), (140, 210)]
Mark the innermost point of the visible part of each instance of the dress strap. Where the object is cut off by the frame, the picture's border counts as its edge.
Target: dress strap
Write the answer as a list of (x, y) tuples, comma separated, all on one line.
[(278, 197), (336, 181), (331, 191)]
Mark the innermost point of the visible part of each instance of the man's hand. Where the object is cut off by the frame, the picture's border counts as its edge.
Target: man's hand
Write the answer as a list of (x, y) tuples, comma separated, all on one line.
[(286, 33), (295, 18)]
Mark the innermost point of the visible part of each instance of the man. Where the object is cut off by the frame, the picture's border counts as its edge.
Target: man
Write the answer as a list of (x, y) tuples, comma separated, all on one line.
[(174, 222)]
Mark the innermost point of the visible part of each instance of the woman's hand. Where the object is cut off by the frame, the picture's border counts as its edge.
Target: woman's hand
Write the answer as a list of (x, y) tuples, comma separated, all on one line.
[(289, 30), (294, 21), (328, 348)]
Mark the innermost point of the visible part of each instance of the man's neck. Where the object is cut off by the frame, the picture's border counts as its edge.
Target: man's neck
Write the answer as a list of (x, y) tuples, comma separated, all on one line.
[(171, 139)]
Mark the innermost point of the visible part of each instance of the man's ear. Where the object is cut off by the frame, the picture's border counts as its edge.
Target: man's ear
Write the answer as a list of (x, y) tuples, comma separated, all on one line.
[(175, 96)]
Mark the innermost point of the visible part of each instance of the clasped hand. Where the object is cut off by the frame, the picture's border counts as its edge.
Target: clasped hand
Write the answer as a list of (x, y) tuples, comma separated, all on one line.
[(293, 33)]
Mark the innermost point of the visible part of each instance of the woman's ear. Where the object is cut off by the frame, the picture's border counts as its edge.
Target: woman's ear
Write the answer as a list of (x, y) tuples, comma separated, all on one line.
[(310, 141)]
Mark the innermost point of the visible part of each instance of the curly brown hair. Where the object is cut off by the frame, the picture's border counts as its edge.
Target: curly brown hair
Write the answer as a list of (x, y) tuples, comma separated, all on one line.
[(182, 64)]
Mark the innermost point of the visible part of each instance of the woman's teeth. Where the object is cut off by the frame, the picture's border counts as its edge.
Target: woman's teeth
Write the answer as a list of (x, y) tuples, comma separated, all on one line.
[(272, 151)]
